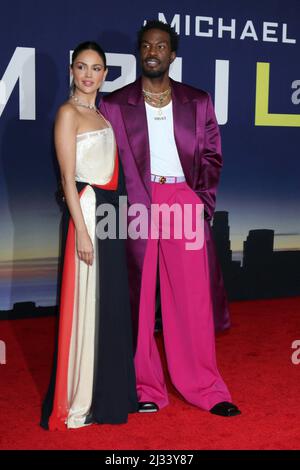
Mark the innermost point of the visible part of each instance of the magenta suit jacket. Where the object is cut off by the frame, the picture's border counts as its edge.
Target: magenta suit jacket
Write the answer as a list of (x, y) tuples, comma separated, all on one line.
[(198, 142)]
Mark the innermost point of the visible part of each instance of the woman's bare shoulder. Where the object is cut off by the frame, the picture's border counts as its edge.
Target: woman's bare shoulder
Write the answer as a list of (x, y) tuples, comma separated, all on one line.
[(67, 114)]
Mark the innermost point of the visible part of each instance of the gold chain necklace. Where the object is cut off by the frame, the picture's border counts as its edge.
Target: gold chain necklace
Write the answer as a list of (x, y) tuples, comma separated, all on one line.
[(157, 99)]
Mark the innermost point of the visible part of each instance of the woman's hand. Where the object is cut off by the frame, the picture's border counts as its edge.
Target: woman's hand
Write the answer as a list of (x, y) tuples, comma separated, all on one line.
[(85, 248)]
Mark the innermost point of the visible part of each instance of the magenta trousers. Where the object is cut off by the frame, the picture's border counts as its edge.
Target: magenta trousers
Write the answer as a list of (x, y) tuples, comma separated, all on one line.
[(187, 316)]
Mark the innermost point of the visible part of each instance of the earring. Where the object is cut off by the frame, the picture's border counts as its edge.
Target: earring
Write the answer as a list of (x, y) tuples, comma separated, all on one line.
[(72, 88)]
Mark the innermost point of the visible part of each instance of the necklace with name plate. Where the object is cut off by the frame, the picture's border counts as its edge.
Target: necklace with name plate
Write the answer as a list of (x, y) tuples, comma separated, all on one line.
[(158, 100)]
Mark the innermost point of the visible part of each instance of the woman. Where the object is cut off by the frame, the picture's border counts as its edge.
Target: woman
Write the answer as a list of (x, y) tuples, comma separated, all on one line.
[(93, 378)]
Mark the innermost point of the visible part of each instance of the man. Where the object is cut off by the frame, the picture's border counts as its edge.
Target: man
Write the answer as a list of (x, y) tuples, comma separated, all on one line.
[(169, 145)]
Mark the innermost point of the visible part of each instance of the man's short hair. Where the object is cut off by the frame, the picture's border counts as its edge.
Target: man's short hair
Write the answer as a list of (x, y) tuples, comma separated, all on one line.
[(156, 24)]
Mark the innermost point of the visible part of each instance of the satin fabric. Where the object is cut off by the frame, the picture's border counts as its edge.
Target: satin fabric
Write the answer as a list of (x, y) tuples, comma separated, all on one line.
[(199, 146), (186, 312)]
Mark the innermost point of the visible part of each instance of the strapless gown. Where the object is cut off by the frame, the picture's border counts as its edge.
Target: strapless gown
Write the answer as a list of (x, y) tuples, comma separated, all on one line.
[(93, 378)]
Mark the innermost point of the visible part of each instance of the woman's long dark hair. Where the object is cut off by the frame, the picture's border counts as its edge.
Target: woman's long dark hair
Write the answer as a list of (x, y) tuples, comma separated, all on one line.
[(89, 45)]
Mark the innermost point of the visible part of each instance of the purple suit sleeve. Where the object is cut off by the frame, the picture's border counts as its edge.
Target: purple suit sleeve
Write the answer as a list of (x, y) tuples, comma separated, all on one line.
[(210, 162)]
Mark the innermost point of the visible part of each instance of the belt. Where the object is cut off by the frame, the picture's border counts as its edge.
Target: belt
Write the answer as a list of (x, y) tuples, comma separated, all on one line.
[(167, 179)]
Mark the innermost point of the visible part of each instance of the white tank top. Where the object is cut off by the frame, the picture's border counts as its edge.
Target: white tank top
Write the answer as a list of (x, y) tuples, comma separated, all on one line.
[(164, 156)]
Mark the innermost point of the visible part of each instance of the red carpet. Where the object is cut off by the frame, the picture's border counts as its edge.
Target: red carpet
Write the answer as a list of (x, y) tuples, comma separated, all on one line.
[(254, 358)]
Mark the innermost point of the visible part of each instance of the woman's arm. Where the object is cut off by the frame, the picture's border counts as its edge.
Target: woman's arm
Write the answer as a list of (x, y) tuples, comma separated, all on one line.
[(65, 144)]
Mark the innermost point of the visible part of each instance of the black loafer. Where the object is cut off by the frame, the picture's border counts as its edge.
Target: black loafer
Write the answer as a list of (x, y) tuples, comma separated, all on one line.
[(225, 408), (147, 407)]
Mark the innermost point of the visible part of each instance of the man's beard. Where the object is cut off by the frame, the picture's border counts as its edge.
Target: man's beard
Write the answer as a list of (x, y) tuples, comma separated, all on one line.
[(153, 73)]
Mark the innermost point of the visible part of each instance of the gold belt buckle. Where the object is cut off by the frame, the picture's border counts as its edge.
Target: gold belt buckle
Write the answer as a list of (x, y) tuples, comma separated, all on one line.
[(162, 180)]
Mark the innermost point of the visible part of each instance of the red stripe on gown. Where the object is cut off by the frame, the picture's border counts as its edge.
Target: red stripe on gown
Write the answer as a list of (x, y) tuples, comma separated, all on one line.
[(59, 415)]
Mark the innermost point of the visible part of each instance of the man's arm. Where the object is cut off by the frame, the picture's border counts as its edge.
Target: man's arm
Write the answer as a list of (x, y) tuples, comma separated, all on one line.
[(210, 162)]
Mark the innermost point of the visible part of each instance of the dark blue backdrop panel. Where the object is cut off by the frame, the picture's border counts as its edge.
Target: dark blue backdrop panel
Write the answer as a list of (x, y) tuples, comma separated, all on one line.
[(246, 54)]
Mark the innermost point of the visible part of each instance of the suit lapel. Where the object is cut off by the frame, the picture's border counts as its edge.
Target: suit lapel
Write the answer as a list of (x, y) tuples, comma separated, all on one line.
[(135, 120), (184, 116)]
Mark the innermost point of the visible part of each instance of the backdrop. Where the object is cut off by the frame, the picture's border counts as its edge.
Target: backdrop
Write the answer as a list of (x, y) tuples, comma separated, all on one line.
[(246, 54)]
